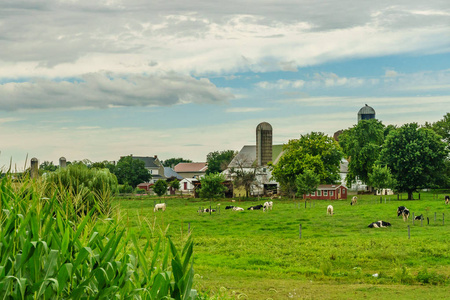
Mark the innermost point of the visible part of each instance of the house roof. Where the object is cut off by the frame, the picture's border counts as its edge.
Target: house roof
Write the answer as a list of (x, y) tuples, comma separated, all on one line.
[(246, 158), (150, 161), (169, 172), (191, 167), (330, 186)]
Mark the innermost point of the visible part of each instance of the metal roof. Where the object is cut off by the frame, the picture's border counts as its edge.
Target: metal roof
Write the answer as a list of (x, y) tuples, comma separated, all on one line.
[(366, 110)]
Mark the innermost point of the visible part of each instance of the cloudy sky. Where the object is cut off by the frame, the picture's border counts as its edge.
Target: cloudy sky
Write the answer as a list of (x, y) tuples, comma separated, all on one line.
[(100, 79)]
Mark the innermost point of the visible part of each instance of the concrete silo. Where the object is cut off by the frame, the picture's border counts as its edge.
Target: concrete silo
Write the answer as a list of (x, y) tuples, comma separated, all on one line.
[(263, 143)]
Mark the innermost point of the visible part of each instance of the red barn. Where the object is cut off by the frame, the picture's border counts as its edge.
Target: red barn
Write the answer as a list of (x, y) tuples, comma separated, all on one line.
[(328, 192)]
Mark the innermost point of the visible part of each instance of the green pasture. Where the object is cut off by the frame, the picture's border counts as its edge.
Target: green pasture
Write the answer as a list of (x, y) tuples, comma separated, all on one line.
[(260, 255)]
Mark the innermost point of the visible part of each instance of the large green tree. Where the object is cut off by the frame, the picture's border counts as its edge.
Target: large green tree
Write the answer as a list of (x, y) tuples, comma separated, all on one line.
[(171, 162), (131, 171), (219, 160), (316, 152), (212, 186), (362, 146), (415, 156), (442, 127)]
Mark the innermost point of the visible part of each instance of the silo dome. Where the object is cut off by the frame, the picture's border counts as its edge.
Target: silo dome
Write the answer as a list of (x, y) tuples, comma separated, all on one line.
[(366, 113)]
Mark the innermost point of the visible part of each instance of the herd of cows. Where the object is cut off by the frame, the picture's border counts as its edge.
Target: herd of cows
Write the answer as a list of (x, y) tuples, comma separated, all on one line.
[(401, 210)]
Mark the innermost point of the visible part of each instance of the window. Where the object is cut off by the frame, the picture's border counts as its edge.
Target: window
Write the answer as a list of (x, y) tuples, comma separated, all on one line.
[(319, 193), (325, 193), (331, 193), (313, 193)]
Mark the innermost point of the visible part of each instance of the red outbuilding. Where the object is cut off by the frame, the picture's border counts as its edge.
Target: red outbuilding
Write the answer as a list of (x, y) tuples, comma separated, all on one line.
[(328, 192)]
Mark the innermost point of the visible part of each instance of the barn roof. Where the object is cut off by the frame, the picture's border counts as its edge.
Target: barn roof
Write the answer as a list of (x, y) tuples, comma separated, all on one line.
[(247, 156), (169, 172)]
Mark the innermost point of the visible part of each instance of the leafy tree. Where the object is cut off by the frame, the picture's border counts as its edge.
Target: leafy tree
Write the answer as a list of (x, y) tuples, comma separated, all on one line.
[(104, 165), (171, 162), (174, 184), (415, 157), (307, 183), (212, 186), (160, 187), (381, 178), (131, 171), (316, 152), (245, 179), (219, 160), (48, 166), (362, 146)]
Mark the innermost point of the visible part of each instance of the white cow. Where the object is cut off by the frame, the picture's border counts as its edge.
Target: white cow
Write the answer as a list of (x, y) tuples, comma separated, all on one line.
[(330, 210), (354, 200), (160, 206), (238, 208), (267, 205)]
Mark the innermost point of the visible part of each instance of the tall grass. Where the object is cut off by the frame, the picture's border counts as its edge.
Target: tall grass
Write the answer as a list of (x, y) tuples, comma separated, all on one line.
[(44, 255)]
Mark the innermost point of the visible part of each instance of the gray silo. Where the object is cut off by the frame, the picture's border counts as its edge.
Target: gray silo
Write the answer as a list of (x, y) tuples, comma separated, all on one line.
[(263, 143), (366, 113), (62, 162), (34, 168)]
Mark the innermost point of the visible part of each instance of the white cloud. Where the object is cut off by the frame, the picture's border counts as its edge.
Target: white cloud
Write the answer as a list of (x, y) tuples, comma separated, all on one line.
[(281, 84), (103, 90)]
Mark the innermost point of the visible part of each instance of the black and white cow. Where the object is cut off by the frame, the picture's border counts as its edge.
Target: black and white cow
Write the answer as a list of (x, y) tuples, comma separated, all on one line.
[(447, 199), (418, 217), (354, 200), (404, 212), (255, 207), (206, 210), (379, 224), (229, 207)]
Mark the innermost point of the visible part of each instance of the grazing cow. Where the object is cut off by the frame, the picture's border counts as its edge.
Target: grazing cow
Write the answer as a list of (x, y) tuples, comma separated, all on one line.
[(354, 200), (160, 206), (419, 217), (206, 210), (255, 207), (229, 207), (238, 208), (401, 210), (267, 205), (330, 210), (379, 224), (447, 199)]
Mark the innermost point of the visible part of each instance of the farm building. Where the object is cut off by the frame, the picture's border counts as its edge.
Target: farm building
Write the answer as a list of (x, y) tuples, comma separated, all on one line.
[(187, 185), (328, 192)]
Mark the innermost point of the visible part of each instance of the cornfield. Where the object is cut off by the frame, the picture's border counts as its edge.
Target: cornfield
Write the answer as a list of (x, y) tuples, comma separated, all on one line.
[(45, 254)]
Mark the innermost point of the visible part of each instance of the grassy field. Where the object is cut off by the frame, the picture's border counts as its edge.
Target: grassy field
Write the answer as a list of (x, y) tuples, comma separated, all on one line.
[(259, 255)]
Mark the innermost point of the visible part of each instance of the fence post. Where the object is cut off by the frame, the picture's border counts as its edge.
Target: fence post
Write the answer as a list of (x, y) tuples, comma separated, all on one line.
[(413, 218), (189, 227), (300, 231), (409, 232)]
